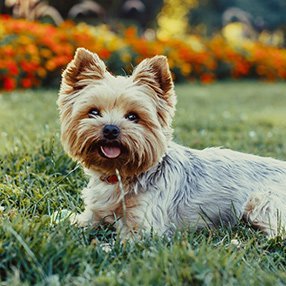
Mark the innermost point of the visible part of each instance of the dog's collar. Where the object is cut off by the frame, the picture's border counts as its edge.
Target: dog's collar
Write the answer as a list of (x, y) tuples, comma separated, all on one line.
[(112, 180)]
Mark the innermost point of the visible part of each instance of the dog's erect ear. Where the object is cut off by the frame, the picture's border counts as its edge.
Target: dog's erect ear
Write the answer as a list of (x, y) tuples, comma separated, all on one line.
[(84, 68), (155, 73)]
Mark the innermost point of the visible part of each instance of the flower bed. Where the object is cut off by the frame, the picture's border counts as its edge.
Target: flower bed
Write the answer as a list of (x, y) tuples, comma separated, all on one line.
[(34, 54)]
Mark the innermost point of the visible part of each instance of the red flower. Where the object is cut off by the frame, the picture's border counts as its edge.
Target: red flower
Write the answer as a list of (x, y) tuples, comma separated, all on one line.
[(26, 82), (104, 54), (207, 78), (9, 83), (13, 69), (5, 17)]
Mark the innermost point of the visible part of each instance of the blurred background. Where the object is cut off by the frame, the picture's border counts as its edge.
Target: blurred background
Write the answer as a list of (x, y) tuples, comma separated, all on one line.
[(204, 40)]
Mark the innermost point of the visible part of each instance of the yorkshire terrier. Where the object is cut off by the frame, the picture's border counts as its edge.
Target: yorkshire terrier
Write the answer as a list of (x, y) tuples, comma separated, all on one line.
[(119, 129)]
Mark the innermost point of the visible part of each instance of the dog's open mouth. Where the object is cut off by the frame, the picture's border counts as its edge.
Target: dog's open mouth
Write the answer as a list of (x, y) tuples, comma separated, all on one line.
[(110, 151)]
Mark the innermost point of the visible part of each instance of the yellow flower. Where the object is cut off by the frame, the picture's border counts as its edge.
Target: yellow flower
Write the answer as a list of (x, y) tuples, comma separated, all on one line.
[(24, 40), (2, 30), (195, 43), (125, 57), (186, 69), (45, 53), (50, 65)]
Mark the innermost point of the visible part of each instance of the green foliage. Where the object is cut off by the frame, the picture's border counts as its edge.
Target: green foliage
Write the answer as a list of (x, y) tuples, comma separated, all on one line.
[(37, 179), (113, 12), (264, 14)]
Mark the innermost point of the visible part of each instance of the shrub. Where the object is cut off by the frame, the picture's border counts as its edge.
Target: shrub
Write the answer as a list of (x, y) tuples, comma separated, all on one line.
[(34, 54)]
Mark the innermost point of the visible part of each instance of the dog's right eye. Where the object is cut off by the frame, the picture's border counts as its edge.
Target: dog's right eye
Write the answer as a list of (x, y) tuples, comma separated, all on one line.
[(94, 113)]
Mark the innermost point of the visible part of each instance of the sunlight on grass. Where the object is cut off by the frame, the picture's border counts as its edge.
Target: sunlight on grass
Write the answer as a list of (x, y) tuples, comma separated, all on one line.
[(27, 117), (38, 179)]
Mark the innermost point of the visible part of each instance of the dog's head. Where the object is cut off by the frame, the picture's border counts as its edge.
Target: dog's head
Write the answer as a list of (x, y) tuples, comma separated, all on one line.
[(113, 122)]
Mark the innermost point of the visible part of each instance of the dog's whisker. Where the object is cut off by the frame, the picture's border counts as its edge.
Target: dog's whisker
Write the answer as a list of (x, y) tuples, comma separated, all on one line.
[(122, 195)]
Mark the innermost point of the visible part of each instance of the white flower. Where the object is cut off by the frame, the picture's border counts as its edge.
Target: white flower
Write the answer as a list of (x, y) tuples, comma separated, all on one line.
[(106, 247), (235, 242), (252, 134), (59, 216)]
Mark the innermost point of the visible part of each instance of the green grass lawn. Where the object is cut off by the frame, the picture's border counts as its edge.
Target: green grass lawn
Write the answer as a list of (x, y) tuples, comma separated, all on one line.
[(37, 179)]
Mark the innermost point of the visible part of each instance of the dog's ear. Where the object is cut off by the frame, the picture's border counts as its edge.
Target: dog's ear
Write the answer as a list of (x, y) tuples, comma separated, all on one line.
[(155, 73), (84, 68)]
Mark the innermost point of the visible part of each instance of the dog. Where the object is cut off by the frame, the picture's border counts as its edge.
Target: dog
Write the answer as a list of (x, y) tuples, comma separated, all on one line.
[(119, 129)]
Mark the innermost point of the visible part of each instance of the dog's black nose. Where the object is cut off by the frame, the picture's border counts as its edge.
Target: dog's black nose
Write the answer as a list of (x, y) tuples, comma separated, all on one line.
[(111, 132)]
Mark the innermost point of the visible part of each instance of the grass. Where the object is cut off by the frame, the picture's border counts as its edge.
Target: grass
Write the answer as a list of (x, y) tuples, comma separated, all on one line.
[(37, 179)]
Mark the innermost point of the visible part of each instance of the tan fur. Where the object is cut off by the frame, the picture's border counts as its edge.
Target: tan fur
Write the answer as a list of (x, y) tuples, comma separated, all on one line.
[(80, 134)]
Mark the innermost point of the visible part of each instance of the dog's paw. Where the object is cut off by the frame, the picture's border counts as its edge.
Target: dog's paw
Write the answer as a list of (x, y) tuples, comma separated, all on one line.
[(83, 219)]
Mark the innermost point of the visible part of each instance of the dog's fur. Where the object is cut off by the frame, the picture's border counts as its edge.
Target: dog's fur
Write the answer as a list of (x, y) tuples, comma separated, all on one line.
[(162, 185)]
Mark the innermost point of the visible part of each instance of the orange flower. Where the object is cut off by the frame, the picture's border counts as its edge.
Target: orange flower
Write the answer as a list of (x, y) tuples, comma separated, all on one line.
[(38, 51), (131, 32)]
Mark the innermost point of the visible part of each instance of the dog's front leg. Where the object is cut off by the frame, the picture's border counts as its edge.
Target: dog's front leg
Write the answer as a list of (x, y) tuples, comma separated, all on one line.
[(84, 219), (96, 207)]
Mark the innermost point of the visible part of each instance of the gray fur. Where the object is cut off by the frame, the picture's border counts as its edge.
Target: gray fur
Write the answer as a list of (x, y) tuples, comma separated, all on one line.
[(207, 187)]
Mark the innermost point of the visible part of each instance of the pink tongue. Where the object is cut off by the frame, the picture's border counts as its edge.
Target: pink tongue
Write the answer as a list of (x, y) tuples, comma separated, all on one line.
[(111, 152)]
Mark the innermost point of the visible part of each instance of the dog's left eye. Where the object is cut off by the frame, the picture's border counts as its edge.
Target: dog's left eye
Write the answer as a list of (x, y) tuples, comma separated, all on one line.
[(132, 117), (93, 113)]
